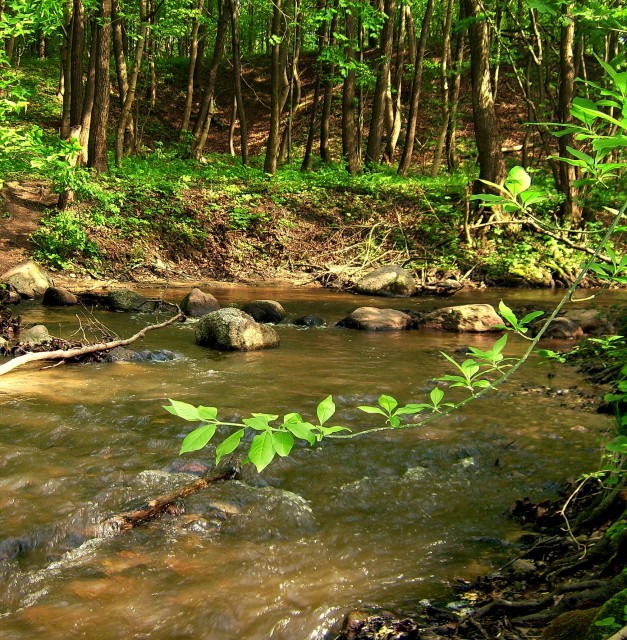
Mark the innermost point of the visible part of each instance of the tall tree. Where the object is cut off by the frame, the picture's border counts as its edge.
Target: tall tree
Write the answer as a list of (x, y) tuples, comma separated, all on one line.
[(276, 72), (102, 89), (375, 134), (237, 80), (350, 138), (487, 134), (412, 118)]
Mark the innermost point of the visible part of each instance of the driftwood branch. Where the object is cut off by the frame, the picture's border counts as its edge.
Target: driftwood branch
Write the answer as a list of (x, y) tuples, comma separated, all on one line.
[(61, 354), (154, 508)]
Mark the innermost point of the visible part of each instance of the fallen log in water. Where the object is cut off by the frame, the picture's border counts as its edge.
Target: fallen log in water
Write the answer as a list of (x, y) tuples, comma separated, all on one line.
[(126, 520), (66, 354)]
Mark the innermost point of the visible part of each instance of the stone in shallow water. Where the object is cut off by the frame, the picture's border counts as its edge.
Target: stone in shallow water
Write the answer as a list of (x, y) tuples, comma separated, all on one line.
[(265, 311), (391, 280), (373, 319), (197, 303), (233, 330)]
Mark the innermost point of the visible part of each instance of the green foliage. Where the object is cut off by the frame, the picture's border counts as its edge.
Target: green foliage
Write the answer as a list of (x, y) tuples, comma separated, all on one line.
[(61, 238), (270, 439)]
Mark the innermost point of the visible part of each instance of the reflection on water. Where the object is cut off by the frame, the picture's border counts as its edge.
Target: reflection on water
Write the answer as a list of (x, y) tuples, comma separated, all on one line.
[(388, 519)]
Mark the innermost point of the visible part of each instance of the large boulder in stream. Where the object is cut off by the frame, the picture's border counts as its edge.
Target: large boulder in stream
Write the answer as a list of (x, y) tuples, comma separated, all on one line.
[(233, 330), (27, 279), (373, 319), (197, 303), (265, 311), (391, 280), (57, 297), (127, 300), (472, 318)]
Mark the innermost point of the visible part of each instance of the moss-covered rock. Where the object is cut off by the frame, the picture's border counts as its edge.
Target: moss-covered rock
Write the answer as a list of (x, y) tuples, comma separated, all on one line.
[(616, 608)]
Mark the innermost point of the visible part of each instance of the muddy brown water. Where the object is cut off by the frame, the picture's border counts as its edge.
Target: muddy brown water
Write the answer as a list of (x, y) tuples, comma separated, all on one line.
[(388, 519)]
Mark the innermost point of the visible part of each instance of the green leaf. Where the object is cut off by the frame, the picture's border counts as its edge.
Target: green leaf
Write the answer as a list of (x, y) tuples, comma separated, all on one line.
[(436, 396), (183, 410), (282, 441), (327, 431), (228, 445), (481, 384), (369, 409), (261, 452), (542, 7), (530, 316), (259, 421), (517, 181), (207, 413), (198, 438), (507, 314), (388, 403), (411, 409), (302, 430), (325, 409), (394, 421)]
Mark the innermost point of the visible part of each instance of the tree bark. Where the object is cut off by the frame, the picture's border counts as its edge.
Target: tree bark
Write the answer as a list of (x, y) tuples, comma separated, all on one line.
[(444, 67), (100, 112), (78, 39), (66, 72), (350, 147), (323, 37), (201, 129), (189, 99), (412, 118), (129, 98), (328, 70), (375, 135), (237, 80), (487, 134), (88, 98), (570, 210), (272, 149)]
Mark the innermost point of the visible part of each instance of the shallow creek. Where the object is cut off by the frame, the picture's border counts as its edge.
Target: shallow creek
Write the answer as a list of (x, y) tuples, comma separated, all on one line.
[(387, 519)]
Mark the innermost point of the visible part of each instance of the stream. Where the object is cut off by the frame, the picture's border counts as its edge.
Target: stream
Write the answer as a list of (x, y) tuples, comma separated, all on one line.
[(386, 520)]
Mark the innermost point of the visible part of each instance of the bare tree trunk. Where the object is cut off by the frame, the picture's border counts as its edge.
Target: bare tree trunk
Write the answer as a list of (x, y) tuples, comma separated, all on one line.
[(350, 147), (323, 38), (412, 118), (487, 135), (203, 33), (451, 131), (328, 70), (201, 129), (272, 149), (444, 65), (570, 210), (375, 135), (66, 72), (191, 70), (237, 80), (78, 39), (88, 98), (129, 98), (100, 112), (395, 105), (294, 90)]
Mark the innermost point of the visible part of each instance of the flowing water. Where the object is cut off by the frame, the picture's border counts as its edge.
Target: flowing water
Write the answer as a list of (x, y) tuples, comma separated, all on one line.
[(388, 519)]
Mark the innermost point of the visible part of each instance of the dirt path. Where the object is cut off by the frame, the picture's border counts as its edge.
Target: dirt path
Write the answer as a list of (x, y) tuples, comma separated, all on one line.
[(21, 208)]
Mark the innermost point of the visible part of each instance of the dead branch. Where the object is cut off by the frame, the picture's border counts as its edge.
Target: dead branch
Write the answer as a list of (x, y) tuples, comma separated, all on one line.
[(154, 508), (61, 354)]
